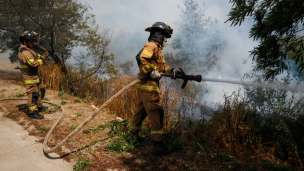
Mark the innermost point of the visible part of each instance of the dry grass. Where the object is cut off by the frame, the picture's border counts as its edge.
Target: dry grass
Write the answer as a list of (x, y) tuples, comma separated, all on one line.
[(231, 129)]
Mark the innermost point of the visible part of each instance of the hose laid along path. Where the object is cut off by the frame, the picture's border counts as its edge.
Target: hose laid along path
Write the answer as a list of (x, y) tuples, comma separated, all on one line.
[(50, 150)]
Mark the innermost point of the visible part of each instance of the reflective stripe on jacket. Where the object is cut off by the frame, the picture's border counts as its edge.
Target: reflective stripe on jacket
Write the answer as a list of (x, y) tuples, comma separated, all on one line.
[(148, 59)]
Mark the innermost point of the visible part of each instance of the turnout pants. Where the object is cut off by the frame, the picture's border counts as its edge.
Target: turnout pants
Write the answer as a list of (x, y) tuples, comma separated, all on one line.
[(35, 94), (149, 104)]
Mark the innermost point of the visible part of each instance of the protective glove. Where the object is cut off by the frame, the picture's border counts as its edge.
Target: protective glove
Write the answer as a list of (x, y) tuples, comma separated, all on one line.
[(177, 70), (155, 74), (45, 55)]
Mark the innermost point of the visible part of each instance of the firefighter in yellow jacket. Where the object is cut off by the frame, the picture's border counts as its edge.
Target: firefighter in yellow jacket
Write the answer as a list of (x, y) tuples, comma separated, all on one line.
[(150, 61), (30, 61)]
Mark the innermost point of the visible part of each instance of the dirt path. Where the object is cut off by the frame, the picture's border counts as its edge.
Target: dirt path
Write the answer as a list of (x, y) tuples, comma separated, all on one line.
[(19, 151)]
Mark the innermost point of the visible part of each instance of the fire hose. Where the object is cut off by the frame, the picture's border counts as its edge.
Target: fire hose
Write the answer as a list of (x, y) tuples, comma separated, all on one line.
[(183, 76)]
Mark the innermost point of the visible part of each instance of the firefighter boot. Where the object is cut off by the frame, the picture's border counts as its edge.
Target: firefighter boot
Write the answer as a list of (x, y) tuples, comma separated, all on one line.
[(42, 109), (36, 116), (161, 148)]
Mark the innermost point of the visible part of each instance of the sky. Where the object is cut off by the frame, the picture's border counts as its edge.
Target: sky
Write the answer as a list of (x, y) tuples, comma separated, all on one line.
[(128, 19)]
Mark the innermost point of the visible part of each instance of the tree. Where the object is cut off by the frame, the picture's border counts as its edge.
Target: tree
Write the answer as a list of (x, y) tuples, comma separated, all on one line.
[(199, 41), (278, 25), (62, 25)]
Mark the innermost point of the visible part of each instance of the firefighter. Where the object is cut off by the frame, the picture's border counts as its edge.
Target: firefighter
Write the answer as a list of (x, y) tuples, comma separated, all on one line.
[(151, 62), (30, 61)]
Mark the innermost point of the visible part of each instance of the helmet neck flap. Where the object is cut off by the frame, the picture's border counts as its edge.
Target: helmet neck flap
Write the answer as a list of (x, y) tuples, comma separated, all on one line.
[(157, 36)]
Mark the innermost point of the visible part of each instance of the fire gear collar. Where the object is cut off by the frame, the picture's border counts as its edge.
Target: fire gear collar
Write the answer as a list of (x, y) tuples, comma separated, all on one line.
[(155, 74)]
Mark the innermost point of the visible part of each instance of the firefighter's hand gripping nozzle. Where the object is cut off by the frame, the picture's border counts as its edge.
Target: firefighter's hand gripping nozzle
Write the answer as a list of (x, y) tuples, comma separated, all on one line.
[(185, 77)]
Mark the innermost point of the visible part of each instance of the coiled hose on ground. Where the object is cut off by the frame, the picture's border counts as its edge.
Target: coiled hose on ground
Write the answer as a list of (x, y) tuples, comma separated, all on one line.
[(50, 150)]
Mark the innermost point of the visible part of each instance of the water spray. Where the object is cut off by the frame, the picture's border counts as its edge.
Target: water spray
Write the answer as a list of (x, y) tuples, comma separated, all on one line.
[(199, 78)]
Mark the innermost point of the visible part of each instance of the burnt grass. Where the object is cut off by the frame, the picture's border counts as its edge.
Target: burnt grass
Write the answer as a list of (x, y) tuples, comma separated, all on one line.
[(92, 145)]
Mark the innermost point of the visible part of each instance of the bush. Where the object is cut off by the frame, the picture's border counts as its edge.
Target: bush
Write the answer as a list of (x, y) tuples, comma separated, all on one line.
[(82, 164), (225, 157), (73, 127), (20, 95), (46, 99), (250, 168), (79, 114), (60, 93), (273, 167), (64, 96), (85, 131), (50, 111), (63, 102), (43, 129), (77, 100)]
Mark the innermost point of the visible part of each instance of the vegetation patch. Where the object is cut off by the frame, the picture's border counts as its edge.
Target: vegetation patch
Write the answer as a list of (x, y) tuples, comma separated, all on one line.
[(79, 114), (73, 127), (63, 102), (50, 111), (77, 100), (43, 129), (82, 164), (20, 95), (60, 93), (64, 96)]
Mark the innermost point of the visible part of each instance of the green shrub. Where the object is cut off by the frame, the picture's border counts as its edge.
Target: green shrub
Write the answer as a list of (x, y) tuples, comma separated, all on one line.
[(82, 164), (63, 102), (73, 127), (79, 114), (74, 119), (46, 99), (225, 157), (20, 95), (171, 137), (50, 111), (85, 131), (60, 93), (43, 129), (3, 90), (273, 167), (251, 168), (124, 141), (57, 107), (64, 96), (77, 100), (98, 128)]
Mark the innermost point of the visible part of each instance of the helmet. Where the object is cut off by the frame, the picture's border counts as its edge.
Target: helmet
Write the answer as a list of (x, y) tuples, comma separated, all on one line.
[(29, 35), (161, 26)]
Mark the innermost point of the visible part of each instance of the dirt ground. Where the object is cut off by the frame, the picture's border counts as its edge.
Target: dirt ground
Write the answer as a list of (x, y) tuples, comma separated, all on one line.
[(92, 144)]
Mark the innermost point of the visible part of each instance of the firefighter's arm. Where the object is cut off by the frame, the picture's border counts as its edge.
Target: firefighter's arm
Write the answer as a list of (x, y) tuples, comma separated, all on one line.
[(145, 56), (30, 61)]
